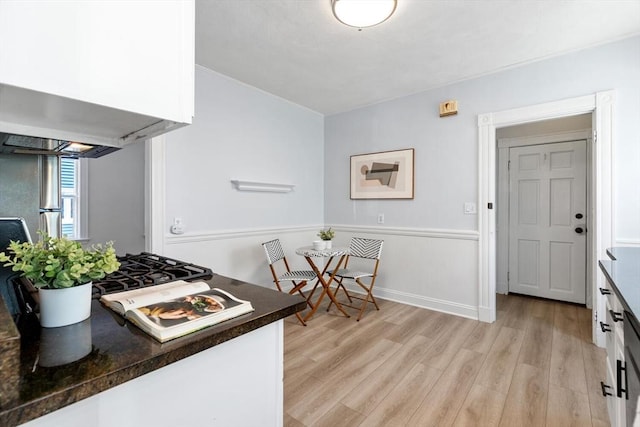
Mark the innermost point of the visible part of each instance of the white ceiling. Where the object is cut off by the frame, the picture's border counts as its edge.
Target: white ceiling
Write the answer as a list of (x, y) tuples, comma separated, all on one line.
[(297, 50)]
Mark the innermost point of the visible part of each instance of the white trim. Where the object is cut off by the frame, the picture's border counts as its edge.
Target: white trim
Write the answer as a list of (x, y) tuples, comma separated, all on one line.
[(235, 234), (627, 242), (547, 138), (171, 239), (601, 105), (83, 194), (603, 197), (155, 190), (463, 310), (413, 232)]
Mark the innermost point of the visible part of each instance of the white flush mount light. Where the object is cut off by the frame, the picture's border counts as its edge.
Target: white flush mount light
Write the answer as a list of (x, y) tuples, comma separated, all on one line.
[(363, 13)]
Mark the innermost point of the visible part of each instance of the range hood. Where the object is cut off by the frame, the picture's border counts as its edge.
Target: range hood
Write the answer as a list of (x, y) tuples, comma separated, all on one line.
[(24, 144)]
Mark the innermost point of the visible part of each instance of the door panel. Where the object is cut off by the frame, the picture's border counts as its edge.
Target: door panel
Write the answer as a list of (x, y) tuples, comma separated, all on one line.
[(547, 257), (528, 262), (560, 210), (560, 264), (528, 202)]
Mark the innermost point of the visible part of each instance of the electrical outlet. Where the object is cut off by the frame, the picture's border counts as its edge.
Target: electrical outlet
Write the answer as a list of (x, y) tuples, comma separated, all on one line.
[(470, 208), (177, 227), (381, 218)]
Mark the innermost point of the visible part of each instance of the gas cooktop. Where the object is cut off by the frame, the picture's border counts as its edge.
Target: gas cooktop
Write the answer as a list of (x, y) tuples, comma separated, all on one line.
[(147, 269)]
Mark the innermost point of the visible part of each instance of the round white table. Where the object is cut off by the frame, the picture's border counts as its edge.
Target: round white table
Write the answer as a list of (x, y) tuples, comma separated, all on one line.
[(309, 253)]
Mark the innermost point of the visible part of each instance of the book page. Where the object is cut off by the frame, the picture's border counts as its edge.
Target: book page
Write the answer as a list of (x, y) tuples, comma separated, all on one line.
[(172, 318), (121, 302)]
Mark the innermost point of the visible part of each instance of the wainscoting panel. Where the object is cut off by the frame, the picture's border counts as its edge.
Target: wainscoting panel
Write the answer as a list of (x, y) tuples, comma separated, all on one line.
[(434, 269)]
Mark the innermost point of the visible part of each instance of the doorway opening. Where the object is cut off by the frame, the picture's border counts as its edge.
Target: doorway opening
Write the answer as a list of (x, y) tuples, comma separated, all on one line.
[(542, 202), (600, 106)]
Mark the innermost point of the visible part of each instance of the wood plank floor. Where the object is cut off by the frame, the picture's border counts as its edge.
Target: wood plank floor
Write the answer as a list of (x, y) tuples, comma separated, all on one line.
[(407, 366)]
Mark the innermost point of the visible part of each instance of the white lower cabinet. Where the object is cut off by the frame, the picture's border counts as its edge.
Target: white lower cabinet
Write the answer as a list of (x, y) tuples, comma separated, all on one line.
[(614, 386), (236, 383)]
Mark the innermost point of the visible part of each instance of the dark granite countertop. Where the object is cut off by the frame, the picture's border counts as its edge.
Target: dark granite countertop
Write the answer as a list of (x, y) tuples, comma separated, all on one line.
[(119, 352), (623, 272)]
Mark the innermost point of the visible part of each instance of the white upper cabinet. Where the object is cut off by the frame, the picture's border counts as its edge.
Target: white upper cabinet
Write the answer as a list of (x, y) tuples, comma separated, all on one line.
[(106, 72)]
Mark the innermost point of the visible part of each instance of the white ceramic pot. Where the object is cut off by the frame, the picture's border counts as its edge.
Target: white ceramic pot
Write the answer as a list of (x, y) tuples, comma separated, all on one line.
[(62, 307), (327, 244), (318, 245)]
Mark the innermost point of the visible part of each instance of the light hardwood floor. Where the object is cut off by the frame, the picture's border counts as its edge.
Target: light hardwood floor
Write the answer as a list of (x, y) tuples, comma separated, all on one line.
[(407, 366)]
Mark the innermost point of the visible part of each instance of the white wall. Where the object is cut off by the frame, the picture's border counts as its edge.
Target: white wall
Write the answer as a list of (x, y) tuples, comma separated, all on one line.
[(240, 132), (116, 199), (446, 164), (430, 256)]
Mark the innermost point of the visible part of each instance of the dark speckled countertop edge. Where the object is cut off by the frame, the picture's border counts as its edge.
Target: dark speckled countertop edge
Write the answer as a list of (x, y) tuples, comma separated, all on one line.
[(177, 350), (9, 354), (624, 286)]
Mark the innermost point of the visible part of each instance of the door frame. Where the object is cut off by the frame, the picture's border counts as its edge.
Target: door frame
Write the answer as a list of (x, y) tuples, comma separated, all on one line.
[(503, 197), (600, 105)]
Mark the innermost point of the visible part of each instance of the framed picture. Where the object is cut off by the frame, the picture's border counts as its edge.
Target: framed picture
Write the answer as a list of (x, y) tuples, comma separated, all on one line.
[(385, 175)]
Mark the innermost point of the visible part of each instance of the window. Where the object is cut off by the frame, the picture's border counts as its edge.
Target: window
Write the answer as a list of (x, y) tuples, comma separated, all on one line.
[(73, 208)]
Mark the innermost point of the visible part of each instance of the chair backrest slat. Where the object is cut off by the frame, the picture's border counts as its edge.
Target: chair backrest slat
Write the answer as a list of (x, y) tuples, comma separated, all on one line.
[(274, 251), (365, 248)]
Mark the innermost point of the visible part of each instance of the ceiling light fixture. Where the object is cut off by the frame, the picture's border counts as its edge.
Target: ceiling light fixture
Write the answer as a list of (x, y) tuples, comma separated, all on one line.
[(363, 13)]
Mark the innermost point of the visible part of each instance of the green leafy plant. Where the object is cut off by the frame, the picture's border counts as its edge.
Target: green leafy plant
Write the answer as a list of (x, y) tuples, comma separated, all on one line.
[(326, 234), (59, 262)]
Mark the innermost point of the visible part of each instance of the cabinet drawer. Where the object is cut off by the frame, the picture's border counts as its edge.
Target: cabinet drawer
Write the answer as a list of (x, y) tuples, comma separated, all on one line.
[(610, 390)]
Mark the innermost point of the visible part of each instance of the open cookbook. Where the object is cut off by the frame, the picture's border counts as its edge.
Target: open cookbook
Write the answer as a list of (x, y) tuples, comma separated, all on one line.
[(177, 308)]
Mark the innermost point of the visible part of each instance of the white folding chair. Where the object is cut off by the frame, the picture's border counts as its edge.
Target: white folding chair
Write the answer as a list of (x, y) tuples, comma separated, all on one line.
[(367, 250), (282, 273)]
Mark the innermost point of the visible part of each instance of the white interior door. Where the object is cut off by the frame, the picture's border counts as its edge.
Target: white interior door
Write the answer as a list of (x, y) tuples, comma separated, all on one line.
[(547, 220)]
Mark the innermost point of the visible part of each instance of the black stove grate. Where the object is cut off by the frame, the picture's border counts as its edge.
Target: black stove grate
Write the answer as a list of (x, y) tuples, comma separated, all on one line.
[(147, 269)]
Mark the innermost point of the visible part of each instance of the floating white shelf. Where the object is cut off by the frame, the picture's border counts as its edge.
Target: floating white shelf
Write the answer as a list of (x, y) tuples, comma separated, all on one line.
[(261, 186)]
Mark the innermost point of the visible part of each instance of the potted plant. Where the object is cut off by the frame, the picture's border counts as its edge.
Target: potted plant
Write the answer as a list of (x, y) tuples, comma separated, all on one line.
[(327, 236), (62, 270)]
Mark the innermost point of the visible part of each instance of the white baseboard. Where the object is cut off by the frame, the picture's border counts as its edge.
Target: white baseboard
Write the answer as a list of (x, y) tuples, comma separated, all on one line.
[(421, 301)]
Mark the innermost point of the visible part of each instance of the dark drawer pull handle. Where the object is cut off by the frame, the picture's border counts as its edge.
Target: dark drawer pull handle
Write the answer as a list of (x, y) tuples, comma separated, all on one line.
[(605, 327), (605, 291), (617, 317), (604, 388), (621, 369)]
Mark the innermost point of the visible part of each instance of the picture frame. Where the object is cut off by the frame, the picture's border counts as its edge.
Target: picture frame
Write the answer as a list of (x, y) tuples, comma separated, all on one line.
[(383, 175)]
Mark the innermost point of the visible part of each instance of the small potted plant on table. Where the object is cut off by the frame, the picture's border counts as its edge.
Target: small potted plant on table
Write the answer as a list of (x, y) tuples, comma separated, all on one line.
[(63, 272), (327, 236)]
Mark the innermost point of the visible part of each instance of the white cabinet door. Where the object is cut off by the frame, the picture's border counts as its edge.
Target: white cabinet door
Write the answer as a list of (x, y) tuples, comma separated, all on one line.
[(130, 56), (547, 210)]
